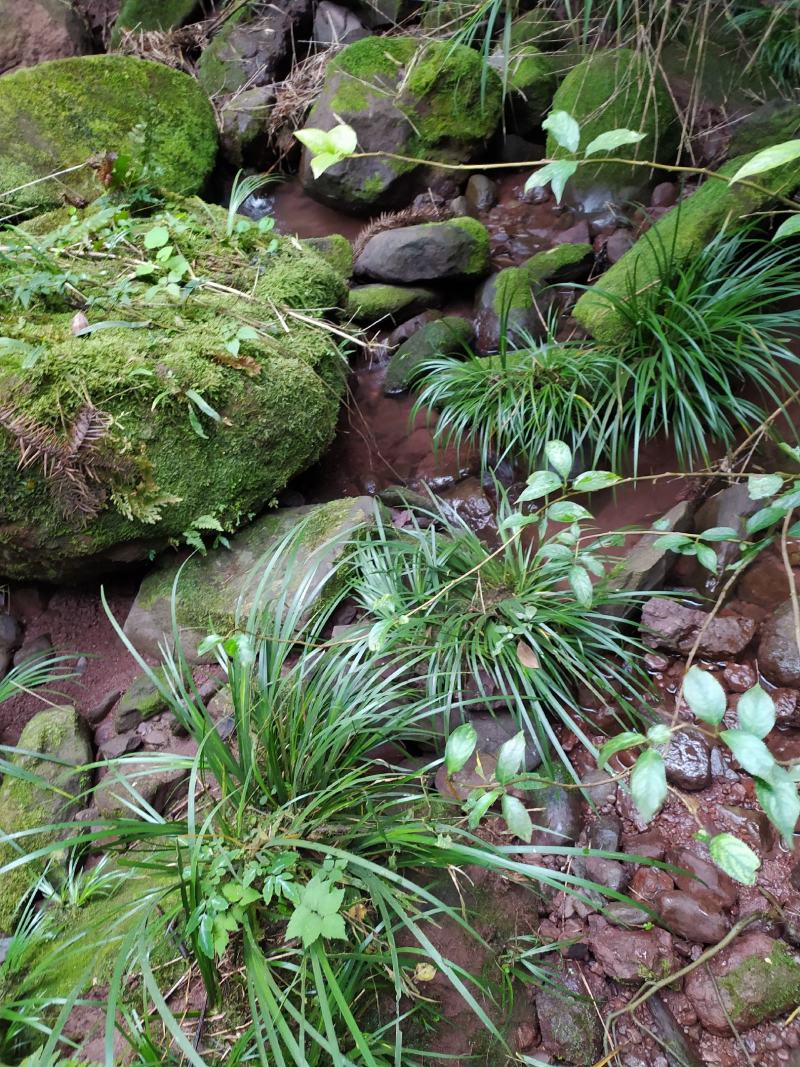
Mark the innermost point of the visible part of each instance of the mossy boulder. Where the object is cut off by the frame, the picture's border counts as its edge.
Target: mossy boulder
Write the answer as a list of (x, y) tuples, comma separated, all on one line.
[(184, 407), (608, 91), (378, 303), (216, 590), (435, 101), (450, 336), (684, 230), (152, 15), (430, 251), (53, 748), (64, 113), (334, 249), (771, 124), (532, 81)]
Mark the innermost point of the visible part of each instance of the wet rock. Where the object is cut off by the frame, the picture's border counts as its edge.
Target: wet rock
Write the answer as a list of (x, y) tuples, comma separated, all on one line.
[(151, 15), (37, 648), (60, 735), (476, 774), (649, 844), (704, 875), (140, 701), (631, 955), (119, 745), (665, 194), (645, 566), (688, 760), (787, 711), (408, 328), (334, 24), (765, 582), (617, 244), (730, 507), (568, 1020), (71, 109), (494, 730), (648, 883), (450, 336), (620, 914), (754, 979), (243, 124), (434, 101), (40, 30), (599, 786), (778, 652), (481, 194), (253, 51), (752, 826), (696, 917), (668, 624), (384, 305), (459, 206), (212, 584), (433, 251), (739, 677), (680, 1051), (556, 814), (469, 502)]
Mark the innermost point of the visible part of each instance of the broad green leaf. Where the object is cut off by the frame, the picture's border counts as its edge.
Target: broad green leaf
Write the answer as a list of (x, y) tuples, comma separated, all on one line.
[(672, 541), (509, 757), (618, 744), (660, 734), (157, 237), (333, 926), (324, 161), (567, 511), (719, 533), (750, 752), (204, 406), (343, 139), (763, 518), (481, 805), (768, 159), (760, 486), (778, 797), (706, 557), (581, 585), (592, 481), (556, 173), (205, 936), (756, 712), (607, 142), (208, 644), (516, 519), (788, 228), (559, 456), (564, 129), (735, 858), (540, 484), (460, 746), (317, 141), (649, 783), (517, 818), (704, 695)]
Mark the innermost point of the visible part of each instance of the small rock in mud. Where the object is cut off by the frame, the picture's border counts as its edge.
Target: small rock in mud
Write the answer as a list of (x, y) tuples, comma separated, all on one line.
[(10, 634), (702, 874), (481, 194), (631, 955), (688, 760), (765, 582), (787, 713), (648, 883), (556, 810), (617, 244), (665, 194), (739, 677), (668, 624), (37, 648), (697, 917), (754, 979), (778, 654), (599, 786)]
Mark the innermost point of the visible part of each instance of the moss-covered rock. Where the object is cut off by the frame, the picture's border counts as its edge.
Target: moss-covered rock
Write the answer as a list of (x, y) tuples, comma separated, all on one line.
[(217, 589), (432, 101), (539, 28), (140, 701), (52, 747), (447, 15), (455, 248), (532, 81), (62, 114), (770, 124), (336, 250), (378, 303), (450, 336), (186, 405), (607, 91), (684, 230), (151, 15)]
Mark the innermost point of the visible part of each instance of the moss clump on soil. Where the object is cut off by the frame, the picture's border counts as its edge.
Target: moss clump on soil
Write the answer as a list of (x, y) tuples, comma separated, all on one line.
[(168, 464), (151, 15), (57, 733), (611, 90), (370, 303), (679, 235), (63, 113)]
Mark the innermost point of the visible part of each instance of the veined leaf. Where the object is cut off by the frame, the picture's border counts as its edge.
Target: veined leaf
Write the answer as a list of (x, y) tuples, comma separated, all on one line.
[(540, 484), (591, 481), (509, 757), (760, 486), (618, 744), (788, 228), (750, 751), (768, 159), (649, 783), (704, 695), (735, 858), (564, 129), (557, 174), (756, 712), (607, 142), (559, 455), (517, 818), (460, 746)]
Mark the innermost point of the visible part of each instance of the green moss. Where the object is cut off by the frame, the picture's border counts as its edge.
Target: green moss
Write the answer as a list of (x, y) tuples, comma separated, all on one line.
[(60, 114), (606, 91), (152, 15), (531, 82), (57, 733), (556, 263), (683, 231), (762, 988), (512, 290), (448, 336), (537, 28), (271, 424), (369, 66), (369, 303), (336, 250), (480, 255), (770, 124)]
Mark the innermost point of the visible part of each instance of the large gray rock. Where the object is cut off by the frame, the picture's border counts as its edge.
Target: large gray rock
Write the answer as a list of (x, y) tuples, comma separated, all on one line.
[(53, 748), (40, 30), (779, 648), (451, 335), (668, 624), (431, 251), (334, 24), (213, 588), (426, 101), (730, 507)]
